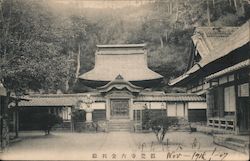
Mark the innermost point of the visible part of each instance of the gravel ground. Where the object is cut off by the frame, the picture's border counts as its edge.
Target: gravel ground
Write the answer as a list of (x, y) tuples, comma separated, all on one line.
[(118, 146)]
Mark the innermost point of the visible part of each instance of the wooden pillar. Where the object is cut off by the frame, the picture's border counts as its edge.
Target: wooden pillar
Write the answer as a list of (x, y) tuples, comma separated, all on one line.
[(72, 120), (4, 122), (107, 109), (131, 109), (210, 102), (1, 121), (141, 115), (16, 119), (185, 108), (176, 109), (220, 101), (135, 115), (236, 123), (166, 108), (17, 123)]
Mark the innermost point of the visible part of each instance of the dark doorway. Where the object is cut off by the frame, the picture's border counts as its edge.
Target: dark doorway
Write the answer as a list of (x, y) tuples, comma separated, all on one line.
[(119, 108), (244, 115)]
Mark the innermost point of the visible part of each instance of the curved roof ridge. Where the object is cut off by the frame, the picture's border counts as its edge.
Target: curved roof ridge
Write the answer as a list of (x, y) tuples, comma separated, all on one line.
[(111, 62)]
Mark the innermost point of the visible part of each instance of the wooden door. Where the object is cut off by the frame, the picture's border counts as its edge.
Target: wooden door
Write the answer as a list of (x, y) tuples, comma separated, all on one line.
[(244, 115), (120, 108)]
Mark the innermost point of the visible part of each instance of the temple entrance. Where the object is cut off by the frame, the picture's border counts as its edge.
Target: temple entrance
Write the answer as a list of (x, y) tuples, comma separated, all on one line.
[(119, 108), (243, 115)]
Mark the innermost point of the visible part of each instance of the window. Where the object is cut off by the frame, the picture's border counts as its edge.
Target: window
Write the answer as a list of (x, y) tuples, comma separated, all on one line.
[(180, 109), (171, 109), (175, 109), (243, 90), (229, 99)]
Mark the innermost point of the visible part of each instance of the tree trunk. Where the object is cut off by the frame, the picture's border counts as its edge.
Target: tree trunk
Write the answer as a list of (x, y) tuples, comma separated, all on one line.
[(208, 14), (177, 11), (78, 63), (242, 7), (166, 37), (67, 85), (163, 135), (161, 40), (157, 135), (67, 78), (171, 7), (235, 5), (230, 3)]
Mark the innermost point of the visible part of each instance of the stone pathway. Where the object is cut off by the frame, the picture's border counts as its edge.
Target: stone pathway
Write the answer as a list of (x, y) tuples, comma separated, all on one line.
[(118, 142), (121, 145)]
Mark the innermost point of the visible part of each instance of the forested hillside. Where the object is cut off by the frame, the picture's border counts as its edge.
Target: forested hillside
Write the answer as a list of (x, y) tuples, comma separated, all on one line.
[(42, 43)]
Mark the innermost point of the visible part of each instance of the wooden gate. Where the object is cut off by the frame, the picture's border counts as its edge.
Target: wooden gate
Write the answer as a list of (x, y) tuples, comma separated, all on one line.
[(119, 108)]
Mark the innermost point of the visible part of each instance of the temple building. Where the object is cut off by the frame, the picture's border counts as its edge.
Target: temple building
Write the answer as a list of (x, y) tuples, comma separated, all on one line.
[(219, 70), (122, 85), (128, 61)]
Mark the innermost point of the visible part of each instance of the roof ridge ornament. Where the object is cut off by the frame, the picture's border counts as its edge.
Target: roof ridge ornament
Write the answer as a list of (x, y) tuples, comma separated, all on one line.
[(119, 77)]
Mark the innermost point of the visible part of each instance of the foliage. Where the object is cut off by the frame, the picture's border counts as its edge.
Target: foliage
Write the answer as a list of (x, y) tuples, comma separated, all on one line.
[(46, 121), (146, 118), (40, 43), (78, 116), (30, 50), (160, 126)]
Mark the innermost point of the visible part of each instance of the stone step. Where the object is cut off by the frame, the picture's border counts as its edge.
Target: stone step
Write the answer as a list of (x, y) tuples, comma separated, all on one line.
[(119, 125), (117, 128), (113, 127), (236, 140), (238, 144), (114, 130), (111, 124)]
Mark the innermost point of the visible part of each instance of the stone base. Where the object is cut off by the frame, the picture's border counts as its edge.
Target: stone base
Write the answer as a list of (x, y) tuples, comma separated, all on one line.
[(100, 126), (234, 142)]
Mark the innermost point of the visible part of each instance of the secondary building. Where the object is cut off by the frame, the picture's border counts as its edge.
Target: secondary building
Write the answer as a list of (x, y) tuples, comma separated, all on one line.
[(219, 70)]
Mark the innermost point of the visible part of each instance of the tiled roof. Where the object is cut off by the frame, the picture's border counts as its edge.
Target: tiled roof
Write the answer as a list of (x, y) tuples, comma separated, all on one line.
[(238, 38), (58, 99), (72, 99), (177, 97), (119, 83), (238, 66), (208, 38), (130, 62)]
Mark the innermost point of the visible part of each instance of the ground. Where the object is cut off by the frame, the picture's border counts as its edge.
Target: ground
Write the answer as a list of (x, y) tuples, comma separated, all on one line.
[(118, 145)]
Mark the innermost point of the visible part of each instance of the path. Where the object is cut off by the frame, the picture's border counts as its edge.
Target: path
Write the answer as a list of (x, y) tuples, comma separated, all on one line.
[(75, 146)]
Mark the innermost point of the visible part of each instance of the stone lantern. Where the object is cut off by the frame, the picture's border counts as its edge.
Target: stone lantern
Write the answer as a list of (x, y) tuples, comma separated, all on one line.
[(88, 109)]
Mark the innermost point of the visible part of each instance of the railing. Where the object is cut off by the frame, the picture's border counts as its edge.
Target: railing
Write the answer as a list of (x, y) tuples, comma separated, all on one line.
[(222, 123)]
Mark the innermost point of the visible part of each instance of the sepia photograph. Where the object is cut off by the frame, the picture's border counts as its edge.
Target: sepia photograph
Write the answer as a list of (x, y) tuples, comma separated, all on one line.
[(153, 80)]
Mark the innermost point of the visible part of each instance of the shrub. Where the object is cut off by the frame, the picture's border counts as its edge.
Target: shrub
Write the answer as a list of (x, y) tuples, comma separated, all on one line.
[(146, 118), (160, 126), (46, 121)]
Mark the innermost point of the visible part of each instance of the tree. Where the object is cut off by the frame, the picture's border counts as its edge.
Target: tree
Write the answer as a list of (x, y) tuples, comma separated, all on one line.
[(46, 121), (146, 118), (30, 50), (160, 126)]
